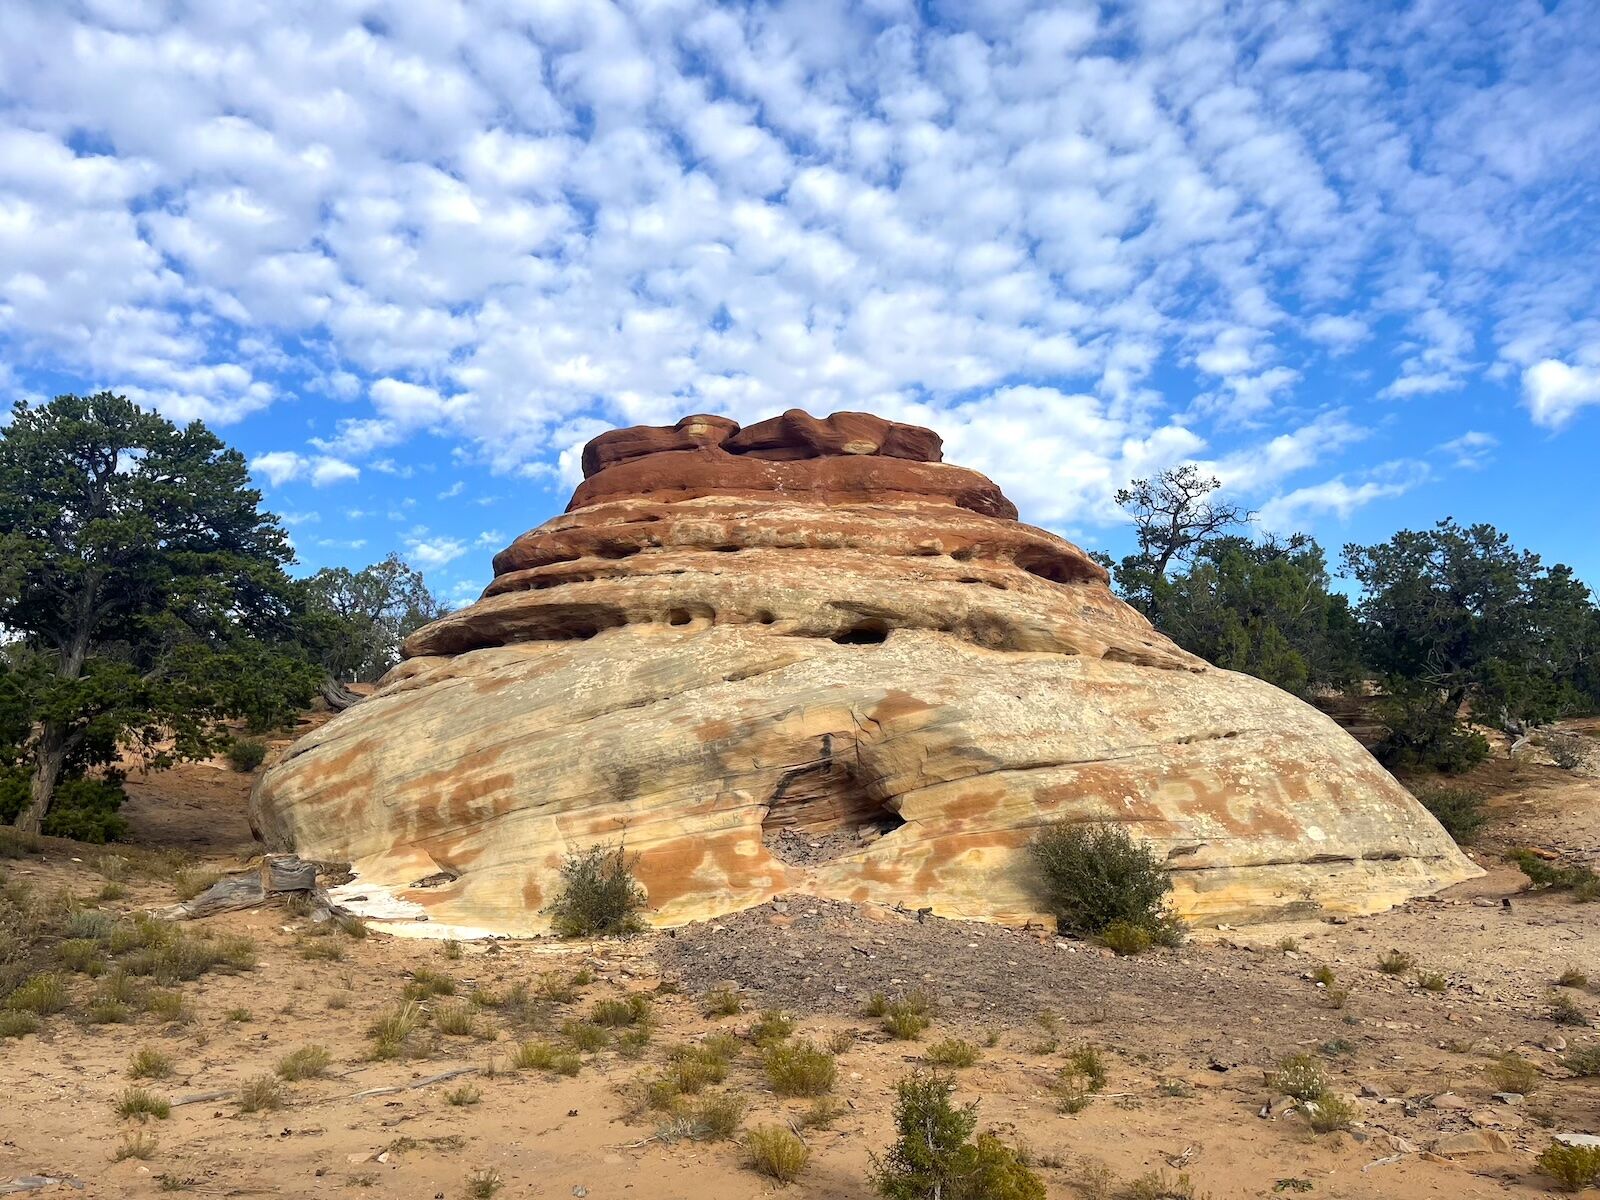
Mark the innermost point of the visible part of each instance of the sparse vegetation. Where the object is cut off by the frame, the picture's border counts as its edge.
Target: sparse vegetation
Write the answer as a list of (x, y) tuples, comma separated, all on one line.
[(904, 1022), (16, 1024), (716, 1118), (42, 995), (137, 1102), (1395, 962), (246, 754), (1329, 1112), (308, 1062), (1513, 1073), (557, 987), (1460, 809), (392, 1033), (723, 1002), (1299, 1076), (544, 1056), (140, 1144), (1545, 875), (1573, 1167), (599, 896), (799, 1068), (1087, 1061), (1584, 1061), (1096, 876), (261, 1094), (951, 1052), (934, 1156), (148, 1063), (614, 1014), (1126, 938), (1072, 1090), (776, 1152), (1573, 977), (1160, 1185), (1564, 1010), (457, 1019), (463, 1096), (771, 1026), (1569, 751), (483, 1183), (586, 1036), (426, 984), (1432, 981)]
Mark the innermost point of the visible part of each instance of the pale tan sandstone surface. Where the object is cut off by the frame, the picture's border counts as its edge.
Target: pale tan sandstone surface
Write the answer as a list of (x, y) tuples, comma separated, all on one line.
[(802, 634)]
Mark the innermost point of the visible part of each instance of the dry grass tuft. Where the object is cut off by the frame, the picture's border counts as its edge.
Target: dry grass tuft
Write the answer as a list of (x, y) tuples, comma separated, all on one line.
[(776, 1152)]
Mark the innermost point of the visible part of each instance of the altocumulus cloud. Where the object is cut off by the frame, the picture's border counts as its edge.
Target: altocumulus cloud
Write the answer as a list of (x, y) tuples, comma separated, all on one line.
[(1083, 241)]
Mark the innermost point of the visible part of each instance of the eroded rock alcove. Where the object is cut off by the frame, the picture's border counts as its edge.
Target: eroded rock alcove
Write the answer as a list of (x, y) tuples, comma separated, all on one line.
[(809, 656)]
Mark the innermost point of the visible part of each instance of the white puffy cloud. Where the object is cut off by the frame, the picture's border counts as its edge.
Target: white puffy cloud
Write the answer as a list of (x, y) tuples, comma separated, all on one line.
[(1083, 243), (431, 553), (1554, 391), (285, 466), (1471, 450), (1293, 510)]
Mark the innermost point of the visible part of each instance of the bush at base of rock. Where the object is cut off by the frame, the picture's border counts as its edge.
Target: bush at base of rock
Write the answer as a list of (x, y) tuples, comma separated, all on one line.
[(599, 895), (1459, 809), (1098, 881)]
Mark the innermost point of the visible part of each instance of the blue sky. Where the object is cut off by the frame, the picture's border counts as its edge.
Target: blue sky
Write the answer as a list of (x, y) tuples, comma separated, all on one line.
[(409, 257)]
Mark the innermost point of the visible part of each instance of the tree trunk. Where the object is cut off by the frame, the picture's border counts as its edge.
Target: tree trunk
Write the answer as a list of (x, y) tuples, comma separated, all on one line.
[(337, 696), (51, 757)]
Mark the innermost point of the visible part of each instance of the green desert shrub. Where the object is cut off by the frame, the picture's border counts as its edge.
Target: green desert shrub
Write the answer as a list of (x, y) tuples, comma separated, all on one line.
[(544, 1056), (41, 995), (1126, 938), (599, 895), (1329, 1112), (627, 1010), (261, 1094), (1512, 1073), (1095, 875), (799, 1068), (951, 1052), (934, 1156), (308, 1062), (716, 1118), (141, 1103), (393, 1032), (148, 1063), (1458, 808), (1573, 1167), (776, 1152), (246, 754), (426, 984), (586, 1035), (1299, 1076), (903, 1022), (1584, 1061), (16, 1024), (1576, 878), (771, 1026), (1395, 962)]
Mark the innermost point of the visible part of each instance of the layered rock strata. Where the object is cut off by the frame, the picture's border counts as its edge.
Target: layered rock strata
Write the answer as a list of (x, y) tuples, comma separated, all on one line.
[(809, 656)]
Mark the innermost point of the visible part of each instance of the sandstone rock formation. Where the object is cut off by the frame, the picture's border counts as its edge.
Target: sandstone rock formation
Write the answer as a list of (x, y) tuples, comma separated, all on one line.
[(808, 656)]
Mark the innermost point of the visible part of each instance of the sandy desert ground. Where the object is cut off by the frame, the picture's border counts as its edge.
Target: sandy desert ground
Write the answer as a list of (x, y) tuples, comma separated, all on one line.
[(1188, 1038)]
